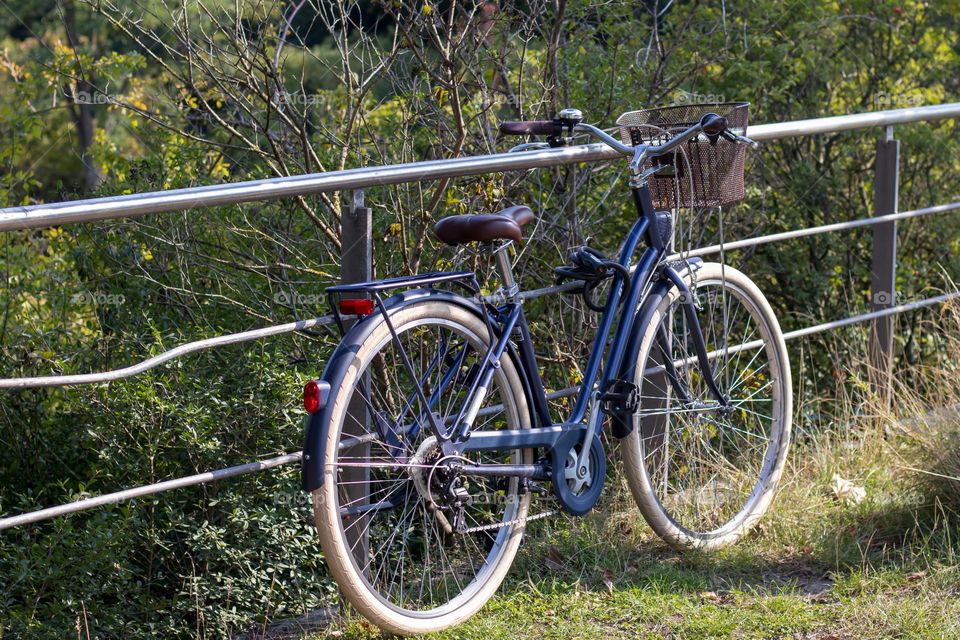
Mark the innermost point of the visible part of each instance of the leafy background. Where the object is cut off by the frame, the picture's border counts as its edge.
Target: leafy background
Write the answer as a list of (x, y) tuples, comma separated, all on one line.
[(105, 98)]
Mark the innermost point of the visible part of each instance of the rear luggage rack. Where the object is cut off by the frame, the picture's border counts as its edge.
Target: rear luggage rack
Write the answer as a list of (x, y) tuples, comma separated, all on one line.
[(372, 288), (465, 278)]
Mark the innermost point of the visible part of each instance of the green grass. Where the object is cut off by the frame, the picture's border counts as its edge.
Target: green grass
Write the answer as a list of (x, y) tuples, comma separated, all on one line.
[(815, 568)]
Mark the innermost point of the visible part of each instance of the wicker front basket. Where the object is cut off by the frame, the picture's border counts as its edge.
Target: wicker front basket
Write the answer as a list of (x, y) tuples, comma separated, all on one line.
[(704, 175)]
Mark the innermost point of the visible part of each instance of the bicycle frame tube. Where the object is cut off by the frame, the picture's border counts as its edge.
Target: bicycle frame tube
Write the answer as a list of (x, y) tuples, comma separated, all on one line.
[(527, 358), (649, 259), (491, 362)]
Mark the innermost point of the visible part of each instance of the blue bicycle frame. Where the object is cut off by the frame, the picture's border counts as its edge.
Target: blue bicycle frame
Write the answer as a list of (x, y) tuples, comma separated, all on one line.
[(629, 307), (593, 377)]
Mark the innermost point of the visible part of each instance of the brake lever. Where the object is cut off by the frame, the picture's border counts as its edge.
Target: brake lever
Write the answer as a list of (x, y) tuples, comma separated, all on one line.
[(732, 137), (530, 146)]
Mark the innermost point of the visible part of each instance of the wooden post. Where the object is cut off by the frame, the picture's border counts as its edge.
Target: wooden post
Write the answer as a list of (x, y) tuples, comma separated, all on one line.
[(883, 272), (356, 265)]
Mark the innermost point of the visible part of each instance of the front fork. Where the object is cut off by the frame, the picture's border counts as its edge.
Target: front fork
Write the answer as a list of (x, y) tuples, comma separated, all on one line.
[(690, 311)]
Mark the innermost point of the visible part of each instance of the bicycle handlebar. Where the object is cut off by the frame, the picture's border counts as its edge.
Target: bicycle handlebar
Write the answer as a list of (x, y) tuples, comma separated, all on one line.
[(529, 128), (646, 150), (609, 140), (710, 125)]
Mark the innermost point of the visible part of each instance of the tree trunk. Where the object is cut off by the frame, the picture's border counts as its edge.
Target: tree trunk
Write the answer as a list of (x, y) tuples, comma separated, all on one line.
[(82, 94)]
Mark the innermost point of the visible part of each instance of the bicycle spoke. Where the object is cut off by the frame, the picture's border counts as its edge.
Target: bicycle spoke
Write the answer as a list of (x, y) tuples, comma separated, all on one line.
[(384, 462), (704, 460)]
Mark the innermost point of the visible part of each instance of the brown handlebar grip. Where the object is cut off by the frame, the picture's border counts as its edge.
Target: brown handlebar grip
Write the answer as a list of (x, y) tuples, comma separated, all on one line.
[(713, 124), (528, 128)]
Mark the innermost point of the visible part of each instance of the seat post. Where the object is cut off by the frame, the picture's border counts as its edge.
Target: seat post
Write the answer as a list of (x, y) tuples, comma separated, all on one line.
[(501, 256)]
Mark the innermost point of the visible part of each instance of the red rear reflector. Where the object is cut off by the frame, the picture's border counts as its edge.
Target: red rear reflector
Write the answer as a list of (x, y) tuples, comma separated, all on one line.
[(312, 396), (356, 307)]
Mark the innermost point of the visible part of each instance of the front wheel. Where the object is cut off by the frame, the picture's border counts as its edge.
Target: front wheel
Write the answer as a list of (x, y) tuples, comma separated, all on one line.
[(703, 473)]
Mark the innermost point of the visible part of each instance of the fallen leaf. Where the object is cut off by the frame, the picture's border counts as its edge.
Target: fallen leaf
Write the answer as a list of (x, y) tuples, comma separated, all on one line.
[(843, 489), (555, 560), (717, 598), (608, 579)]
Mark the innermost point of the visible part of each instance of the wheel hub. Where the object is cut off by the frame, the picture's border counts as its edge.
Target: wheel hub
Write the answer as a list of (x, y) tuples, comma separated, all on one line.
[(440, 485), (427, 452)]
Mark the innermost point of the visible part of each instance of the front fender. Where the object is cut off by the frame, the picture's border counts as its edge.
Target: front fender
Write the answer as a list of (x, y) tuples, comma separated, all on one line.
[(343, 356), (621, 424)]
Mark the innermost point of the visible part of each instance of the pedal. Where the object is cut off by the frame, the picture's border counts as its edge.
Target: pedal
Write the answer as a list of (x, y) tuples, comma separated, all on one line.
[(619, 397), (532, 486)]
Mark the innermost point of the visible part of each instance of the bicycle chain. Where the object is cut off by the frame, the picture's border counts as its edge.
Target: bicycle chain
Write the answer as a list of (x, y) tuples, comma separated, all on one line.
[(509, 523)]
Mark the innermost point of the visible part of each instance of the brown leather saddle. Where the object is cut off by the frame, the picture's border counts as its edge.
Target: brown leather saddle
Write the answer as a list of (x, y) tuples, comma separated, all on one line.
[(484, 227)]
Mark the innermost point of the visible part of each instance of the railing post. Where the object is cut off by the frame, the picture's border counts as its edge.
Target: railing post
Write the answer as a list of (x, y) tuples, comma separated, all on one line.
[(883, 272), (356, 265), (356, 222)]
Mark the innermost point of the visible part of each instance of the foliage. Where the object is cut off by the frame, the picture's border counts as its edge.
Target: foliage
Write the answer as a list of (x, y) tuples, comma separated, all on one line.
[(181, 94), (929, 437)]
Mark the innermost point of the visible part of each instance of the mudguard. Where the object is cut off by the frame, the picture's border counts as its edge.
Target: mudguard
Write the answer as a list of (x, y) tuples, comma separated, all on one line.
[(343, 356), (621, 424)]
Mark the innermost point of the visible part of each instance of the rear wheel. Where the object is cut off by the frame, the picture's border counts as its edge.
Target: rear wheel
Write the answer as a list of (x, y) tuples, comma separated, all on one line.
[(413, 547), (702, 474)]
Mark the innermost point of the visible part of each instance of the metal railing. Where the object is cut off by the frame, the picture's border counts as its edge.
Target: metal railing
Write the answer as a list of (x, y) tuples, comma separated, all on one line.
[(47, 215), (357, 253)]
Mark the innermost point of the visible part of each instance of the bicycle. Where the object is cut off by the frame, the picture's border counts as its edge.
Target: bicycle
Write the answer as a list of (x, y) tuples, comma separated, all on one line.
[(429, 430)]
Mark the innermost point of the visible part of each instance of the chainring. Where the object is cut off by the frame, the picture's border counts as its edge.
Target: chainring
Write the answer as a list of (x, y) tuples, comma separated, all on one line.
[(578, 493)]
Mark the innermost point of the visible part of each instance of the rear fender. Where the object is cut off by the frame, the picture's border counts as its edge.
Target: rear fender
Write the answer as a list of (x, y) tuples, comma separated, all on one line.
[(339, 363)]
